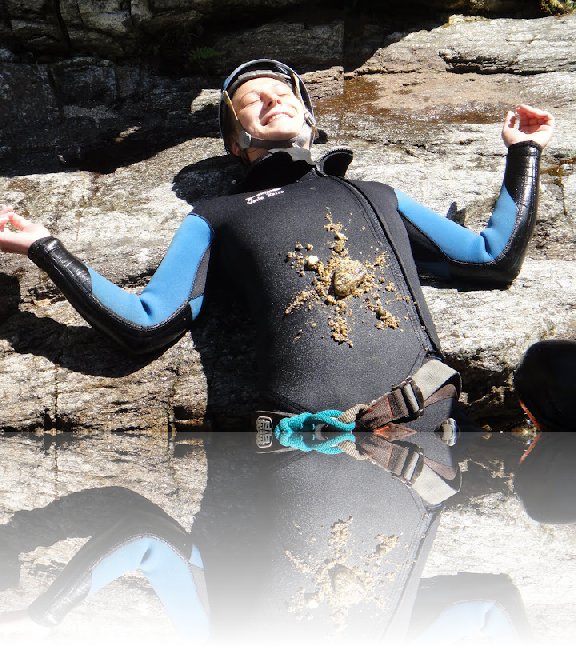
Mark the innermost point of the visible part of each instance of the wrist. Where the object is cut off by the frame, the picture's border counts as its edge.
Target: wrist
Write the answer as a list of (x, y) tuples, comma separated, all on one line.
[(41, 247), (526, 145)]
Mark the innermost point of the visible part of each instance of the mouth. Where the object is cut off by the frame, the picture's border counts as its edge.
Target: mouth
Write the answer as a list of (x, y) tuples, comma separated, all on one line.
[(276, 116)]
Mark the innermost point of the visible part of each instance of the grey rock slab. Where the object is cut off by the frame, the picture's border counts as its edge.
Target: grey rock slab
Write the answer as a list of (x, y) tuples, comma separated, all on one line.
[(485, 46), (493, 535), (493, 328)]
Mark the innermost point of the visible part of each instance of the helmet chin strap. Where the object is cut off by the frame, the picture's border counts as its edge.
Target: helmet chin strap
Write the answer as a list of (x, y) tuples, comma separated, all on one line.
[(302, 140)]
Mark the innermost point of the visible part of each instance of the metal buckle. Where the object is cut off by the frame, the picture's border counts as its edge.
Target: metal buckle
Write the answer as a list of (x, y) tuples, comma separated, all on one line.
[(264, 432), (264, 439), (413, 396), (244, 139), (412, 466)]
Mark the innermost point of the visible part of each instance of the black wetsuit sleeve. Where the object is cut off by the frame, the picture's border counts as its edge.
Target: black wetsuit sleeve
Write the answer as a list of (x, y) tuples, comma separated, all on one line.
[(140, 323), (495, 255)]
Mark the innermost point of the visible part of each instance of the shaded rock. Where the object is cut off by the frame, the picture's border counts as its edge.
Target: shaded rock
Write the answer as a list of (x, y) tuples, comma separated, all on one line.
[(118, 28), (288, 42), (85, 82)]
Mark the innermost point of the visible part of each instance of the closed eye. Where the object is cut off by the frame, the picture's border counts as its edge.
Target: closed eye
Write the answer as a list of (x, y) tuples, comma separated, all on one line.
[(249, 98)]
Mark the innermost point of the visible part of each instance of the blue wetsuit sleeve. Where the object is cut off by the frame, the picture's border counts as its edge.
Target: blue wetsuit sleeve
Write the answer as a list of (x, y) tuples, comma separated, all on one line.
[(468, 619), (144, 540), (177, 582), (160, 313), (495, 255), (452, 609)]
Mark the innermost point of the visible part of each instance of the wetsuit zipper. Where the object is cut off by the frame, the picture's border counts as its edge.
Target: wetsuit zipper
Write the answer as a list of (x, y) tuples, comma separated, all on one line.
[(400, 270)]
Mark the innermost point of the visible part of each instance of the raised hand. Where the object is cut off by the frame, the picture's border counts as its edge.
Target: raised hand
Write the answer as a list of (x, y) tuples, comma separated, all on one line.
[(17, 629), (528, 124), (18, 238)]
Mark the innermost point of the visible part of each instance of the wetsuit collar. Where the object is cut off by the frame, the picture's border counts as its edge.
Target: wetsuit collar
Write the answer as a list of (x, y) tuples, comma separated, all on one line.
[(277, 168)]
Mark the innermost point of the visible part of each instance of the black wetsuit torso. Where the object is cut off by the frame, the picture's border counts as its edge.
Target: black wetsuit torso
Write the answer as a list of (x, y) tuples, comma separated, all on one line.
[(263, 237)]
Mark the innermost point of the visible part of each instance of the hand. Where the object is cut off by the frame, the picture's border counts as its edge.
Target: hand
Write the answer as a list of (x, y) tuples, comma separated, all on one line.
[(18, 624), (533, 125), (18, 242)]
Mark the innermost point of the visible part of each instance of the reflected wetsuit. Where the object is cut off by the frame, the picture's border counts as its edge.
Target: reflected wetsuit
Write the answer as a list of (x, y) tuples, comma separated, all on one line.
[(339, 543)]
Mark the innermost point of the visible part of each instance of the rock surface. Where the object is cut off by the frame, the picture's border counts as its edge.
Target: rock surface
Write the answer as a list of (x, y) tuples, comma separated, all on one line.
[(88, 430), (119, 28)]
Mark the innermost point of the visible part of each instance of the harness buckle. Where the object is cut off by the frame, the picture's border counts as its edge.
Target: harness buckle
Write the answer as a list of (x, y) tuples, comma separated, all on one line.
[(412, 467), (413, 396), (263, 425)]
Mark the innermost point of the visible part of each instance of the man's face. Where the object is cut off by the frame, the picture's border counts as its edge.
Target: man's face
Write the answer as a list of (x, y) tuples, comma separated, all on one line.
[(268, 109)]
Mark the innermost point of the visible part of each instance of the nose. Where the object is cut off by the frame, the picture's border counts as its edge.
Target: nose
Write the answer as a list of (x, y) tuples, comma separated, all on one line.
[(270, 98)]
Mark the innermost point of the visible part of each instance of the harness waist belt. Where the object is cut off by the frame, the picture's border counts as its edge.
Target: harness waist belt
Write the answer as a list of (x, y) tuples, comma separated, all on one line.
[(378, 438)]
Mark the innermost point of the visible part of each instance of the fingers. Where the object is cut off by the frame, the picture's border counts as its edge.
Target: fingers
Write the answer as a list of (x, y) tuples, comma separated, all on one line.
[(509, 131), (530, 111), (19, 222), (21, 234), (534, 117), (509, 122), (529, 124), (5, 213), (9, 216)]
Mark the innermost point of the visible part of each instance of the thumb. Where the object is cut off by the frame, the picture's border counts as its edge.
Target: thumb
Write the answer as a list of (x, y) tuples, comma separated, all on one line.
[(510, 120)]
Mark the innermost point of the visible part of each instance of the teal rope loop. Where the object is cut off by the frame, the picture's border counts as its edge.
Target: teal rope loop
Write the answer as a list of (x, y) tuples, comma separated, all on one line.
[(298, 432)]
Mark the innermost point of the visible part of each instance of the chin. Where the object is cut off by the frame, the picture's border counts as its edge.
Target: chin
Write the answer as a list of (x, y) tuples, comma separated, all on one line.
[(281, 135), (283, 129)]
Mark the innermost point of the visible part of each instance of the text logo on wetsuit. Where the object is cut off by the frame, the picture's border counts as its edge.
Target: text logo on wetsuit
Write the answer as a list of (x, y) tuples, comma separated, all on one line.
[(263, 432), (269, 193)]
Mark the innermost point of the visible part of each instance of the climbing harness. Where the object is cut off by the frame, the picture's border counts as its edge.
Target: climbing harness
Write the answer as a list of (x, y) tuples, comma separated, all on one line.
[(299, 432), (371, 432)]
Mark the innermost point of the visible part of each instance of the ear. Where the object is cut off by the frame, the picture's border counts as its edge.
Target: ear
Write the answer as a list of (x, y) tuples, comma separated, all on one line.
[(233, 146)]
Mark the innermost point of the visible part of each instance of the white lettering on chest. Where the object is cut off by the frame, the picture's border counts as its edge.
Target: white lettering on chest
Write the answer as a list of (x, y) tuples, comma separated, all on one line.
[(269, 193)]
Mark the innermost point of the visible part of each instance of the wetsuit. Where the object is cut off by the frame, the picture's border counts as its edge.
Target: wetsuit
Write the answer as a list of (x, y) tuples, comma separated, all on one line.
[(339, 543)]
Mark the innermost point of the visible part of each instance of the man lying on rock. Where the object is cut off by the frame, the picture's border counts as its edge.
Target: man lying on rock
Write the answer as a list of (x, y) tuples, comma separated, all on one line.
[(350, 364)]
